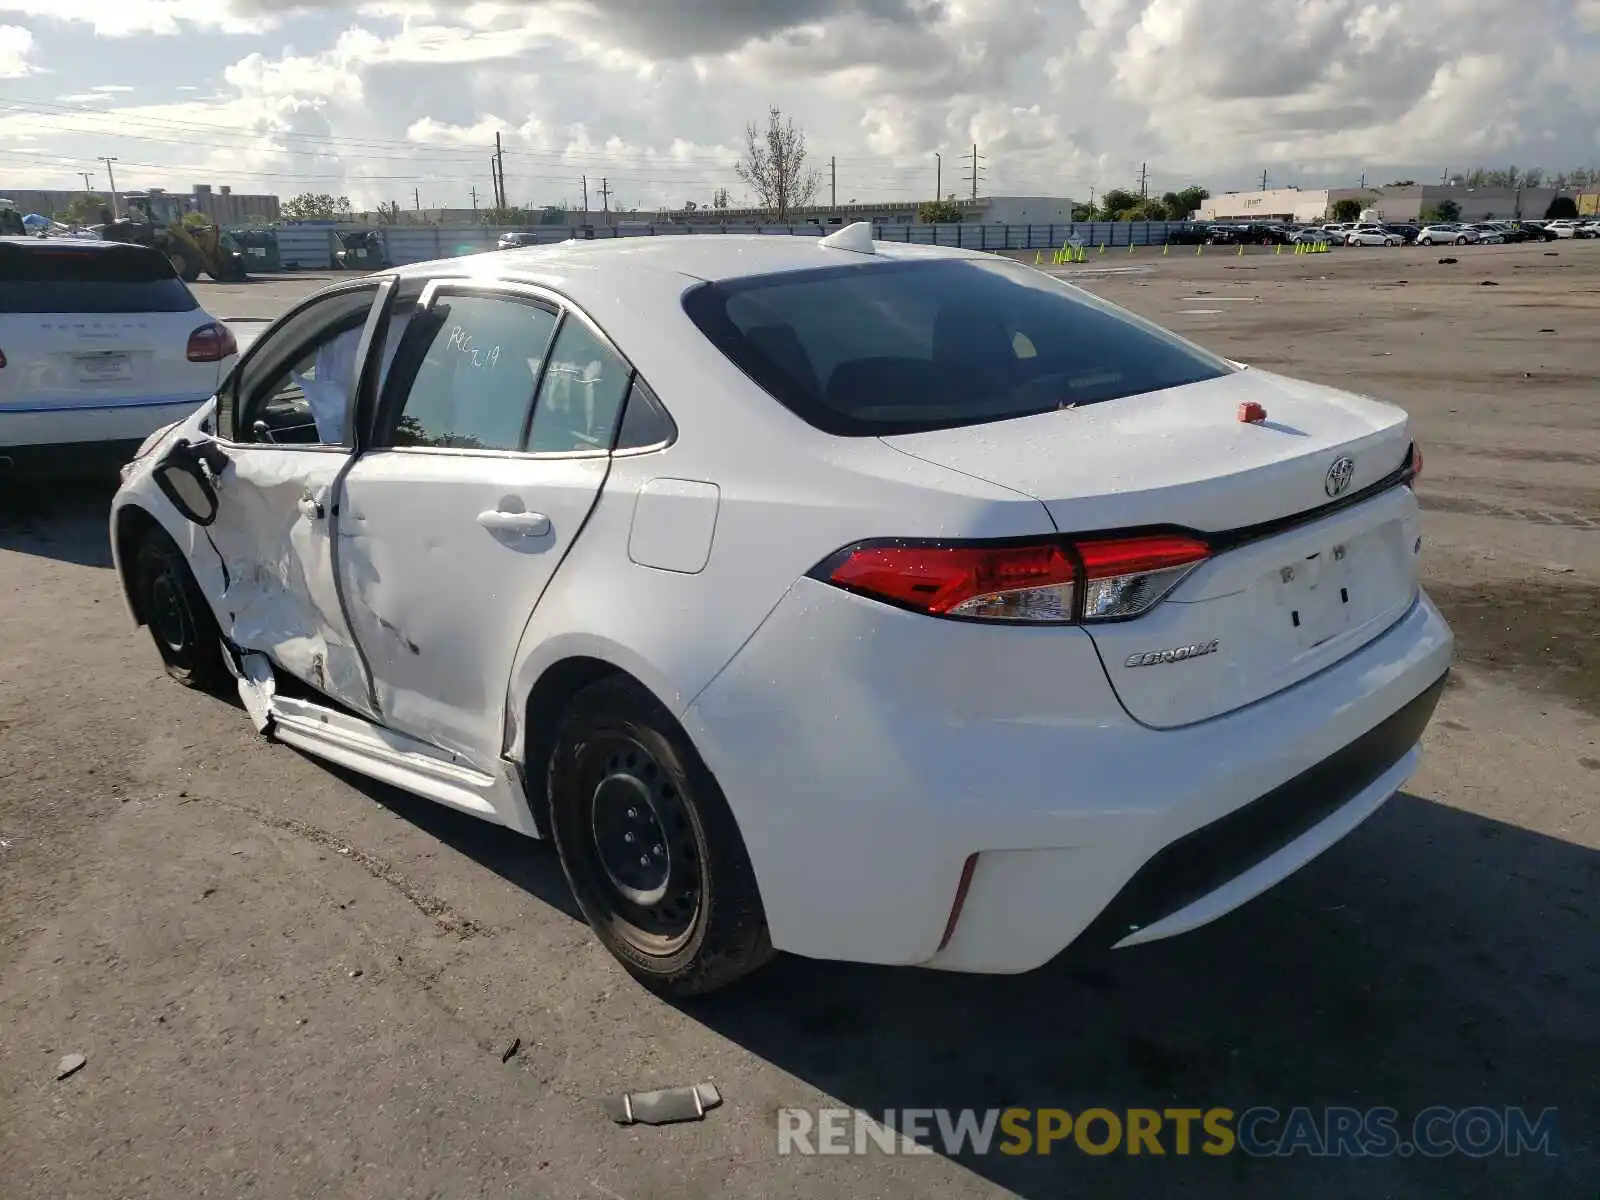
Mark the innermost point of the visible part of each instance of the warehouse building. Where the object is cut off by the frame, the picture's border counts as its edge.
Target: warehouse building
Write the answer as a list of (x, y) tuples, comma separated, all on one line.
[(1395, 203)]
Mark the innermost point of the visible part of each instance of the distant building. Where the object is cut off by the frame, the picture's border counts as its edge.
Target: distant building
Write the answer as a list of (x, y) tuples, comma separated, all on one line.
[(223, 205), (1407, 203)]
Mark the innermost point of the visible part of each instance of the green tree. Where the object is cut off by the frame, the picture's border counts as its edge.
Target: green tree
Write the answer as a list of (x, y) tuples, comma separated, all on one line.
[(1118, 204), (314, 206), (1447, 210), (1347, 209), (1177, 206), (1401, 183), (1562, 208), (195, 220), (938, 212), (87, 209)]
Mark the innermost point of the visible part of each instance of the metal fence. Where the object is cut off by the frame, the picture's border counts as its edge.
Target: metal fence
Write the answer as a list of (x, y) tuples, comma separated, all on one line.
[(310, 248)]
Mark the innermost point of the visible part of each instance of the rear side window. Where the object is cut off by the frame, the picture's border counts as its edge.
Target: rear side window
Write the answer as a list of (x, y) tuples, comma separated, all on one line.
[(899, 347), (475, 386), (59, 277)]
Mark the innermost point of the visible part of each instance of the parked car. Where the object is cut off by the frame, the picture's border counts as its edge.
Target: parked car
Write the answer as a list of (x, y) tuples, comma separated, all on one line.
[(1223, 234), (1407, 232), (1535, 231), (782, 623), (1565, 228), (100, 343), (511, 241), (1338, 228), (1589, 229), (1446, 233), (1371, 235), (1488, 234), (1309, 234), (1189, 233)]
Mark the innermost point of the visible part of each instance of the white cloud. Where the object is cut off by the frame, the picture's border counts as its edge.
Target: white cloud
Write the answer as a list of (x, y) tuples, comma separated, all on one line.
[(16, 49), (380, 97)]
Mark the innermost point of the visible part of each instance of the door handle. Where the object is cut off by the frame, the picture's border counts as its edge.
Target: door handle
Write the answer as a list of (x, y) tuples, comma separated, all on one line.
[(528, 524), (310, 508)]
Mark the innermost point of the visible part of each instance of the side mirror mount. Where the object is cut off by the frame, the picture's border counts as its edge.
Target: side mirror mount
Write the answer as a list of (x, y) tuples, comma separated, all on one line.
[(187, 476)]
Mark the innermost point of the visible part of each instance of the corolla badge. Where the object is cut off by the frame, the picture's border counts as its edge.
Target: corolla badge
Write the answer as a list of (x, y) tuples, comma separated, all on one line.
[(1339, 476), (1156, 658)]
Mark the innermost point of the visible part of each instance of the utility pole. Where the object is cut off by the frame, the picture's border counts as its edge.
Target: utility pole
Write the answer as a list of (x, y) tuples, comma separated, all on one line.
[(833, 182), (416, 198), (977, 168), (938, 176), (605, 199), (1363, 181), (474, 199), (1263, 181), (116, 213), (586, 197), (500, 172), (87, 186), (1144, 181)]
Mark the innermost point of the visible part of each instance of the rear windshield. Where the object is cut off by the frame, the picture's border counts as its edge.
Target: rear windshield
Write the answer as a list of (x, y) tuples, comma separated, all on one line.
[(58, 277), (899, 347)]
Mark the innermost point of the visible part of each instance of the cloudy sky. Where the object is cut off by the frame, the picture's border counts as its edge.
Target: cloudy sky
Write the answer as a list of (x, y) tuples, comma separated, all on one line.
[(400, 100)]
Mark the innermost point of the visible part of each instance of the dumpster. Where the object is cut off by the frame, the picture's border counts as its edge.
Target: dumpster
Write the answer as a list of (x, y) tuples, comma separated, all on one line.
[(260, 249)]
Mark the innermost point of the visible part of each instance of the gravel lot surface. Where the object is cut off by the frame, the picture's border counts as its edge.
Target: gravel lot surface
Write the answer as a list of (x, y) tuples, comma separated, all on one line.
[(288, 981)]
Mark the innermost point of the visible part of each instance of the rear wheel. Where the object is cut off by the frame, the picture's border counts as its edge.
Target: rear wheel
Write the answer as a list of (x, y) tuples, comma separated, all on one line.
[(1424, 241), (176, 613), (1461, 241), (652, 852)]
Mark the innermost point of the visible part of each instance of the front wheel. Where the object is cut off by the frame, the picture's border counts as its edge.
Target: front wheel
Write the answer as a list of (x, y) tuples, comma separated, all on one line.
[(1461, 241), (651, 849), (172, 607)]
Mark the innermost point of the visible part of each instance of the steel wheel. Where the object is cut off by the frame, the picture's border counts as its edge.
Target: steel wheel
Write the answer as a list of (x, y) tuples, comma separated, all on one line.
[(643, 842), (654, 856), (171, 606)]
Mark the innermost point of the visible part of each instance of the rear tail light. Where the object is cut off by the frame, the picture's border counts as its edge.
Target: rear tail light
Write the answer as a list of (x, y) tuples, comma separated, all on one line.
[(1416, 452), (1051, 582), (2, 358), (212, 343)]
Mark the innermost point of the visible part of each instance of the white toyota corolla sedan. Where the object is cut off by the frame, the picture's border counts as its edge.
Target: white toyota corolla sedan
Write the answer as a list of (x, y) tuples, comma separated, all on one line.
[(861, 600)]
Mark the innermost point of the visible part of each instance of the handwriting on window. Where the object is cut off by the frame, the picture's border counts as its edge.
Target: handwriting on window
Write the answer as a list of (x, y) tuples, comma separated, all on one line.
[(463, 343)]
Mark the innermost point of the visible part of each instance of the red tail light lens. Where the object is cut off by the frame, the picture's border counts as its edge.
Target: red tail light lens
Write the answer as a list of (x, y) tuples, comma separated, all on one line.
[(1416, 450), (212, 343), (1047, 582), (1018, 583)]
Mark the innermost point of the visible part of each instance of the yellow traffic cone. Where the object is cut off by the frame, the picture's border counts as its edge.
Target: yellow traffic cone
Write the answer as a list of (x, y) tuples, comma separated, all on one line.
[(1037, 258), (1199, 246), (1164, 250), (1241, 249), (1102, 247), (1278, 249)]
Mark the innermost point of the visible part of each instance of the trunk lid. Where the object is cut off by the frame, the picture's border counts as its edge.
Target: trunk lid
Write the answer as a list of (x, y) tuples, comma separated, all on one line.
[(1271, 607)]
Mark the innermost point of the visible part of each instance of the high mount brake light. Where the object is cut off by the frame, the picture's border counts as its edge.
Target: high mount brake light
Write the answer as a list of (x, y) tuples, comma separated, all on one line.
[(1051, 582)]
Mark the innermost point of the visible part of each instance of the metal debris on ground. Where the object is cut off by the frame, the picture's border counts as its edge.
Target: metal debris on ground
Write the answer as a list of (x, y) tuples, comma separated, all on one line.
[(1446, 260), (70, 1064), (510, 1049), (666, 1107)]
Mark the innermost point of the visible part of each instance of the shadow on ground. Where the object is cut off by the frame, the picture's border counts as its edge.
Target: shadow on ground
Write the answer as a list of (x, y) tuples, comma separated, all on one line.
[(66, 520), (1434, 958)]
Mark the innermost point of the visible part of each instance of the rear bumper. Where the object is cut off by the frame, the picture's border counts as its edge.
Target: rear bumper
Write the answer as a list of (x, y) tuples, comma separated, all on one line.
[(67, 460), (45, 432), (868, 753)]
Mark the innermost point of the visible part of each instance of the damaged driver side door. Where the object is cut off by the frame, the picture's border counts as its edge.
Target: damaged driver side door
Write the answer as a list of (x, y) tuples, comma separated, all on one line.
[(286, 423)]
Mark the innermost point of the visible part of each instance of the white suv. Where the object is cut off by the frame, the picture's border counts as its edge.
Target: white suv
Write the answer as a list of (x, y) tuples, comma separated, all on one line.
[(100, 344)]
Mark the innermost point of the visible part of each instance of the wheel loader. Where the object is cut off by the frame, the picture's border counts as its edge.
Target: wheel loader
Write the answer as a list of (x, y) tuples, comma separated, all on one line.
[(157, 220)]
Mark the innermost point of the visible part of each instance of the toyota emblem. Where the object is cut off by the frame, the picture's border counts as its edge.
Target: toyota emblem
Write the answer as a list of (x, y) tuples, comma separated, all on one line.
[(1339, 476)]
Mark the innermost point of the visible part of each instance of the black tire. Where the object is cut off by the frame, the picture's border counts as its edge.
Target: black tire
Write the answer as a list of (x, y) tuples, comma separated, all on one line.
[(1424, 241), (1461, 241), (176, 613), (687, 917)]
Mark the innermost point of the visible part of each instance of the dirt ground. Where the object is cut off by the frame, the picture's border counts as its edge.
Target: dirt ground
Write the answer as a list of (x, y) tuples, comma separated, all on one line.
[(291, 982)]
